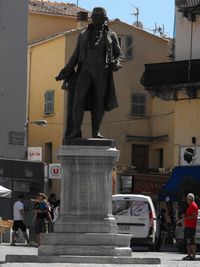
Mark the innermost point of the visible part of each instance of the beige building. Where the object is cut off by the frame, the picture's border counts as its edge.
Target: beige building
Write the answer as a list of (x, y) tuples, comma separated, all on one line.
[(140, 125), (179, 83), (47, 18)]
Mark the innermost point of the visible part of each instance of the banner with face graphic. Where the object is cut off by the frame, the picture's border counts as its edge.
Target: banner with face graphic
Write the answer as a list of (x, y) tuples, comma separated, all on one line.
[(189, 155)]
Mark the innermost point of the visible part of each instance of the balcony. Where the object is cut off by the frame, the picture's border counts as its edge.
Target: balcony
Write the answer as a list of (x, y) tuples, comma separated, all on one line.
[(187, 3), (165, 79), (189, 8)]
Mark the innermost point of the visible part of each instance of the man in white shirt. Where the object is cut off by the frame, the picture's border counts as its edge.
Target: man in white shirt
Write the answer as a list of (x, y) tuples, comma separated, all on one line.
[(18, 212)]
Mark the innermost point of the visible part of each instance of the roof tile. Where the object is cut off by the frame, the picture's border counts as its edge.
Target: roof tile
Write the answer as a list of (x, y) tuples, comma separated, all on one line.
[(54, 8)]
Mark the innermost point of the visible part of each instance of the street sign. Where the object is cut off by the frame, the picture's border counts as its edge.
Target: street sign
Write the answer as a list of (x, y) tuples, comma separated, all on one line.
[(35, 153), (55, 171)]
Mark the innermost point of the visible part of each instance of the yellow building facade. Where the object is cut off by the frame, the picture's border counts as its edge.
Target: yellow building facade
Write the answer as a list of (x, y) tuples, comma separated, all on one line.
[(149, 127), (47, 18)]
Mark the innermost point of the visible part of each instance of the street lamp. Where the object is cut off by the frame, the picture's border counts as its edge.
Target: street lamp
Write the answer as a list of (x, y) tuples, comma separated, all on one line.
[(38, 122)]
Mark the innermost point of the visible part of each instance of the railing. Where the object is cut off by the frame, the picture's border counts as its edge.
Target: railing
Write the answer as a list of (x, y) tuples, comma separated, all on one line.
[(177, 72), (187, 3)]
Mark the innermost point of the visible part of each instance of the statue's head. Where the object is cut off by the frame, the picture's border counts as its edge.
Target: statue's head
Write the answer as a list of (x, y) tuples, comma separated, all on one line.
[(99, 15)]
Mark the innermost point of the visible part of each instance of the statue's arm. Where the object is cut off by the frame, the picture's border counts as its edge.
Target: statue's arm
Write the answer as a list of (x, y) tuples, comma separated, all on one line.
[(73, 61), (117, 53)]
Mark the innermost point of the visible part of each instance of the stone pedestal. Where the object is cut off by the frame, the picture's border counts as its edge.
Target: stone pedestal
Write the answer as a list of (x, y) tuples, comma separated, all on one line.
[(86, 226)]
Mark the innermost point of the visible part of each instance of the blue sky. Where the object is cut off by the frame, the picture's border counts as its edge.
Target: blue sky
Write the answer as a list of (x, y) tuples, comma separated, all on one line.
[(160, 12)]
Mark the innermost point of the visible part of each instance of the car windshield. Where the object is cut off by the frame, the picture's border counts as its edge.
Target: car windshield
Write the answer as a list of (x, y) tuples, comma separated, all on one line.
[(130, 207)]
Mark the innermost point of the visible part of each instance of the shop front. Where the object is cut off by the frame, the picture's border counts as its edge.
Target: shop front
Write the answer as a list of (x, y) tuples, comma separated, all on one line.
[(21, 177), (149, 184)]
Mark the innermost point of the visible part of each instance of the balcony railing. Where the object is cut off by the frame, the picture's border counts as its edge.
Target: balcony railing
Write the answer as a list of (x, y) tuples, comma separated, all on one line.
[(171, 73), (189, 8), (187, 3)]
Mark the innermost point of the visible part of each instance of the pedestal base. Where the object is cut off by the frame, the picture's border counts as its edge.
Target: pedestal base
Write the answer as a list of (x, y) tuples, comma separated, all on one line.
[(88, 244), (86, 226)]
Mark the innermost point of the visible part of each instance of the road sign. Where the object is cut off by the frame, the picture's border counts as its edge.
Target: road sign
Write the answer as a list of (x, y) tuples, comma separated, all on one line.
[(55, 171)]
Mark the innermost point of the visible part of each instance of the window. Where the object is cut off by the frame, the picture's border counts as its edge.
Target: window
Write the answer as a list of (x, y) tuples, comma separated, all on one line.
[(138, 104), (49, 102), (140, 156), (161, 158), (126, 43), (48, 152)]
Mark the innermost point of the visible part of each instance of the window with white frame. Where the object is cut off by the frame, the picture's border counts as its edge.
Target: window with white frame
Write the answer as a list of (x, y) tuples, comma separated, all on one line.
[(138, 104), (49, 102), (126, 44)]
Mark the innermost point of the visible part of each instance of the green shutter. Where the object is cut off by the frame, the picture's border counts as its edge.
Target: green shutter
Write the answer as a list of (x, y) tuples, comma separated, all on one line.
[(49, 102)]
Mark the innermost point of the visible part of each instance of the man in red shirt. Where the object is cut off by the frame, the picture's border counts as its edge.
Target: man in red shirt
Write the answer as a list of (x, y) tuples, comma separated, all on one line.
[(190, 222)]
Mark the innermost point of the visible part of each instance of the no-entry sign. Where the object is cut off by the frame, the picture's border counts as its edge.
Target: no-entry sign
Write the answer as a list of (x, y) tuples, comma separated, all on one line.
[(55, 171)]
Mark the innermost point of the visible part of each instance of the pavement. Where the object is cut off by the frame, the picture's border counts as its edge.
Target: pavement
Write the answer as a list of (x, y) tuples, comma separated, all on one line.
[(169, 258)]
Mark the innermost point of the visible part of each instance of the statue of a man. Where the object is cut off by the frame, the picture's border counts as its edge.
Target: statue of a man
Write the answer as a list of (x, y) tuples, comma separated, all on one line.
[(96, 56)]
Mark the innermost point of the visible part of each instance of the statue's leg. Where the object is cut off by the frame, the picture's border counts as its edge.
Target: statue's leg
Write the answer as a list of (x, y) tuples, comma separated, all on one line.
[(97, 112), (69, 117), (97, 117), (82, 86)]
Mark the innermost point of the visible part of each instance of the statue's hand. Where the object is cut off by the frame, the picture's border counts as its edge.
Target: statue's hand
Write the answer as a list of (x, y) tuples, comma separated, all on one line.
[(62, 75), (116, 65)]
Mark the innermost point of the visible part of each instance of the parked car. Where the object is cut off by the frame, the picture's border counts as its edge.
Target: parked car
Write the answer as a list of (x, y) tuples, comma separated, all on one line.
[(135, 215), (179, 235)]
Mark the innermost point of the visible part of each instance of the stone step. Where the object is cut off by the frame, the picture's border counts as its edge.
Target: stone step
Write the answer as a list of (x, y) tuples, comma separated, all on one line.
[(45, 250), (96, 239)]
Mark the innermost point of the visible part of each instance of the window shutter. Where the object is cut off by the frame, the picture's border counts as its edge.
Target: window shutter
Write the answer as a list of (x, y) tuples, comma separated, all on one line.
[(49, 102), (128, 46)]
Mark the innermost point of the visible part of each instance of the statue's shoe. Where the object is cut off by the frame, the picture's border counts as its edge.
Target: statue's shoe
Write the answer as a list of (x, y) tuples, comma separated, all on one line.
[(97, 135), (74, 134)]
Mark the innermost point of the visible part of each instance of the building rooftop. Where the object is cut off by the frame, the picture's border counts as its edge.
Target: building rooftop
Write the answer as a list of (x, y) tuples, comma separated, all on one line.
[(54, 8)]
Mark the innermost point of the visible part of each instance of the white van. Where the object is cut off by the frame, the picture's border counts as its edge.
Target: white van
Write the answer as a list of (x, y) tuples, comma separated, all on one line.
[(135, 215)]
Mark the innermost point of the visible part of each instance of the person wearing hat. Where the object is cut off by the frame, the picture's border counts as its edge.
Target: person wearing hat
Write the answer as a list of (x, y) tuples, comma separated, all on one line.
[(96, 56)]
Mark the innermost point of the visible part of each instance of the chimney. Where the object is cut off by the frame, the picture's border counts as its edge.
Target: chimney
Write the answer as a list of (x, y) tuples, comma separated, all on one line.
[(82, 19)]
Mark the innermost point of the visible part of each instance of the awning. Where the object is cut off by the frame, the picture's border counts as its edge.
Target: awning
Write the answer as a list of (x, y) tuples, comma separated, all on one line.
[(4, 192), (184, 180)]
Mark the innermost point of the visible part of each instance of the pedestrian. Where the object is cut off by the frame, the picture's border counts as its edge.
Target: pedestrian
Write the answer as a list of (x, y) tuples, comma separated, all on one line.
[(42, 215), (162, 229), (54, 206), (18, 212), (190, 222), (96, 56)]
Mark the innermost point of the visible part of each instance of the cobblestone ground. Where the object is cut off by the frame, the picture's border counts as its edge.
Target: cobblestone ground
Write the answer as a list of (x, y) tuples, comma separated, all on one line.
[(168, 259)]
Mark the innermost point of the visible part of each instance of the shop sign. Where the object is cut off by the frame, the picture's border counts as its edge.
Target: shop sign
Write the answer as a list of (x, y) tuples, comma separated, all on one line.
[(189, 155), (55, 171), (16, 138), (35, 153), (126, 184), (148, 184)]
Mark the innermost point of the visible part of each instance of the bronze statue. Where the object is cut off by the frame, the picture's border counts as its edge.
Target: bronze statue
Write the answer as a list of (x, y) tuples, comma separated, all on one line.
[(96, 56)]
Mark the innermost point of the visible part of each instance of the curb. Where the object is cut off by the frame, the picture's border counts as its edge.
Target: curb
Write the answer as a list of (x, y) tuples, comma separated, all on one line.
[(81, 259)]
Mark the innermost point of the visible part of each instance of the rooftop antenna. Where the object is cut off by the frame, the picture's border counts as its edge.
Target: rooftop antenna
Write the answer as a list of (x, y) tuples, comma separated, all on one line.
[(136, 14), (159, 30)]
